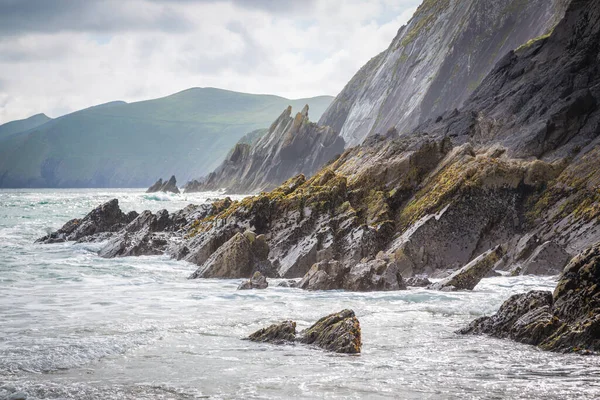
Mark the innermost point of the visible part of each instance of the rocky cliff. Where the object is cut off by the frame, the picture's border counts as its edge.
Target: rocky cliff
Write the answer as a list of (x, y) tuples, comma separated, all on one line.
[(508, 182), (435, 62), (293, 145)]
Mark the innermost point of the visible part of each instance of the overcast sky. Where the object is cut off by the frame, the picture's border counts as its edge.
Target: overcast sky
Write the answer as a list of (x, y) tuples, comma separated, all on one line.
[(58, 56)]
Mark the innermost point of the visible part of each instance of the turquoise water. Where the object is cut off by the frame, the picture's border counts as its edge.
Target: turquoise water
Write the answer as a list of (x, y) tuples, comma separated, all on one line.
[(76, 326)]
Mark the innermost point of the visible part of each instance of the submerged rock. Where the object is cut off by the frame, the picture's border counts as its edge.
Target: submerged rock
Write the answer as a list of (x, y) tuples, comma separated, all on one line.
[(417, 281), (258, 281), (469, 276), (338, 332), (567, 320)]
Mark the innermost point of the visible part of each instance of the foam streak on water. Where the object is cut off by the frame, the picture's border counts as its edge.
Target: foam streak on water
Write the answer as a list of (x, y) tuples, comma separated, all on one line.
[(75, 326)]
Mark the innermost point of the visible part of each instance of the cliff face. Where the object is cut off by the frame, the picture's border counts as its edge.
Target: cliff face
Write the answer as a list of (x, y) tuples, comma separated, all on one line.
[(435, 62), (293, 145)]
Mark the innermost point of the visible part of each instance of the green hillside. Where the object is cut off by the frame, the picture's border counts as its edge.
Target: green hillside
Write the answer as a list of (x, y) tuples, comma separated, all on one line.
[(131, 145), (21, 125)]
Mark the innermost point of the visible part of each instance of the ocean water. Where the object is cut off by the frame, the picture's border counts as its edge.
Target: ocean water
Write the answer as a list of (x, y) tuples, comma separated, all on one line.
[(76, 326)]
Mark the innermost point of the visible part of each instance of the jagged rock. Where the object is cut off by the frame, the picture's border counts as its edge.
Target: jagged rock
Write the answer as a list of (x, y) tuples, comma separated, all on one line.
[(148, 233), (107, 217), (469, 276), (237, 258), (284, 332), (258, 281), (339, 332), (292, 146), (156, 186), (567, 320), (169, 186), (417, 281)]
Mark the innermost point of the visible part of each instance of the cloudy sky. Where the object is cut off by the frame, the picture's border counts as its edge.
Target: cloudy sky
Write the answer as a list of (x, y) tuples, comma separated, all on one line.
[(58, 56)]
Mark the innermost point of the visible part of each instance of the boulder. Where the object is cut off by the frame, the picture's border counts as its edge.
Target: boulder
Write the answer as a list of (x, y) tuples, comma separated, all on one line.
[(258, 281), (237, 258), (469, 276), (339, 332), (107, 217), (374, 275), (284, 332), (326, 275)]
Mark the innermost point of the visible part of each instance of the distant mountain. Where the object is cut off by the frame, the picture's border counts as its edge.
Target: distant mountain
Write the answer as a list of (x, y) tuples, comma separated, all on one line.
[(435, 62), (117, 144), (21, 125)]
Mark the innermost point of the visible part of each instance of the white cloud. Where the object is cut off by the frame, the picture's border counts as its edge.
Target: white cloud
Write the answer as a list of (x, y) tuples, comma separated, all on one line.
[(304, 52)]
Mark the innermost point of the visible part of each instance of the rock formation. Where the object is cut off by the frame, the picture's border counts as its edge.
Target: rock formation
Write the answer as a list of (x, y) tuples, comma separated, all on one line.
[(516, 167), (435, 62), (567, 320), (292, 146), (169, 186), (107, 217), (339, 332)]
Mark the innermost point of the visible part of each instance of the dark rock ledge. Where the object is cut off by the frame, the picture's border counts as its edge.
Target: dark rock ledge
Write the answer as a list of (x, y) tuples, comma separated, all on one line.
[(567, 320)]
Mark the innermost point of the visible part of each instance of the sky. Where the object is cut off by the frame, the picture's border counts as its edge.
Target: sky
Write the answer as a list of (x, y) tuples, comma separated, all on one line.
[(59, 56)]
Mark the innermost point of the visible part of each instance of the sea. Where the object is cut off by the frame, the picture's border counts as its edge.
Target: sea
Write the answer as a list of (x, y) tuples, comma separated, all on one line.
[(77, 326)]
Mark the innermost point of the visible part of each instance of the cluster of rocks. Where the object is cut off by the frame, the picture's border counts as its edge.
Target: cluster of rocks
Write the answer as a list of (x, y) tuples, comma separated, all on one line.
[(339, 332), (567, 320), (169, 186)]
